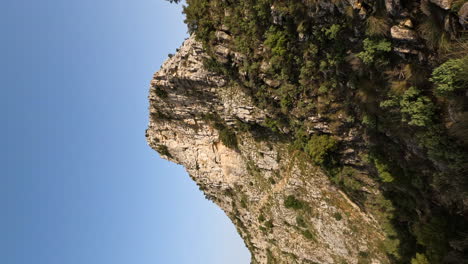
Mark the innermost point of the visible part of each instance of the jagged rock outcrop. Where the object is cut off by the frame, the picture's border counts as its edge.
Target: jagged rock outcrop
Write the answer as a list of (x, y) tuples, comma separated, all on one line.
[(285, 208), (328, 131)]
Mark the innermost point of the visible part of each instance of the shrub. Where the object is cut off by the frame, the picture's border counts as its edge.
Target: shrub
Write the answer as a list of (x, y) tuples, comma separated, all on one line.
[(261, 218), (337, 216), (372, 49), (160, 92), (417, 110), (277, 41), (163, 150), (272, 124), (272, 181), (431, 235), (347, 179), (293, 203), (419, 259), (228, 138), (383, 170), (307, 234), (287, 93), (332, 31), (451, 76), (320, 147), (369, 121)]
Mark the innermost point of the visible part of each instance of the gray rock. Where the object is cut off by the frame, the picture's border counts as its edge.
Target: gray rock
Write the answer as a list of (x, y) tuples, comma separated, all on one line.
[(407, 23), (405, 50), (403, 33), (222, 36), (444, 4), (222, 52)]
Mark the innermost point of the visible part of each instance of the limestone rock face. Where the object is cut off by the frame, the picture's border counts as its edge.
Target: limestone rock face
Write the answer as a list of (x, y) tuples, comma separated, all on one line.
[(285, 208)]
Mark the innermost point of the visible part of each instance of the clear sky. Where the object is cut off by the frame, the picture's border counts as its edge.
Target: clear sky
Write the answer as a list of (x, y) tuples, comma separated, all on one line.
[(79, 185)]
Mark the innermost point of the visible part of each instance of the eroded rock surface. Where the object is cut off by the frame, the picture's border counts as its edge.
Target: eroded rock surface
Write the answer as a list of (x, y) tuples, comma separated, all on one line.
[(285, 209)]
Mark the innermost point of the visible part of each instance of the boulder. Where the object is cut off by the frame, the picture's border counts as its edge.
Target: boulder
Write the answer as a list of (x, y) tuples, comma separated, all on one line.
[(403, 33), (222, 36), (222, 53)]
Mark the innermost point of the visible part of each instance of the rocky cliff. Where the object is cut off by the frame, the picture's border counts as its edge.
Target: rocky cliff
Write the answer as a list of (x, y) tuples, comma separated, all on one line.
[(253, 182), (319, 130)]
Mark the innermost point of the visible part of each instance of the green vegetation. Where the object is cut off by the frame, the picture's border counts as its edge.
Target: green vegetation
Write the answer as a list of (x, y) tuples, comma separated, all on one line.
[(337, 216), (383, 170), (419, 259), (374, 50), (307, 234), (319, 78), (228, 137), (226, 134), (451, 76), (163, 150), (160, 92), (417, 110), (293, 203), (320, 148), (261, 218)]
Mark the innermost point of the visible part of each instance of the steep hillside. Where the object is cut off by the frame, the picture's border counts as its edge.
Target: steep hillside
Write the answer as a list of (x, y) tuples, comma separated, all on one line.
[(328, 131)]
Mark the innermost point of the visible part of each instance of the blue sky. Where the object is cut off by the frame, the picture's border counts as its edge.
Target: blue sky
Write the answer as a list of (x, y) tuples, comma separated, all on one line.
[(79, 183)]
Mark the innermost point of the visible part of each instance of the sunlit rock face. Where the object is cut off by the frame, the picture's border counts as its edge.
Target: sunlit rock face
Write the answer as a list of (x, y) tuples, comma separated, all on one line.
[(285, 208), (328, 131)]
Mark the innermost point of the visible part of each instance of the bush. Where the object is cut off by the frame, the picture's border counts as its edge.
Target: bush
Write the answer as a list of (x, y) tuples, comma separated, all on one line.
[(372, 49), (261, 218), (320, 148), (276, 41), (417, 110), (332, 31), (228, 138), (160, 92), (293, 203), (163, 150), (419, 259), (451, 76), (432, 236), (307, 234), (383, 170), (347, 179), (337, 216)]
